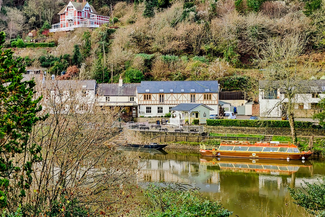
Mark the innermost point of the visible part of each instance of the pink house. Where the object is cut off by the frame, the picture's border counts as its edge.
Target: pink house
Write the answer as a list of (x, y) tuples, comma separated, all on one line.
[(76, 15)]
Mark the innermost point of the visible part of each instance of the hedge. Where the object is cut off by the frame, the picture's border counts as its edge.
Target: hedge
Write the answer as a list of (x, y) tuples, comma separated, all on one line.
[(30, 44), (258, 123)]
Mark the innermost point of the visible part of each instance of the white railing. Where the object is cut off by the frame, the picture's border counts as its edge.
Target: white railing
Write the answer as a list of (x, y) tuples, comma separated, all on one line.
[(57, 27)]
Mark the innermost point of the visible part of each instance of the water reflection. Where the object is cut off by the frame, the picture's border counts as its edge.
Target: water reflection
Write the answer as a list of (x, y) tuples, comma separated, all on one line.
[(247, 187)]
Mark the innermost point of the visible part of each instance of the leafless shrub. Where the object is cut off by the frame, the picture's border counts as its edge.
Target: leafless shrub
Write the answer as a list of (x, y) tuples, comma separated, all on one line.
[(274, 9), (120, 9), (225, 7)]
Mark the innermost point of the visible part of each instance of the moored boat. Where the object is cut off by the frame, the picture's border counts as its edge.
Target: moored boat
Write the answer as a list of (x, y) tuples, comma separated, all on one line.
[(258, 150), (151, 145)]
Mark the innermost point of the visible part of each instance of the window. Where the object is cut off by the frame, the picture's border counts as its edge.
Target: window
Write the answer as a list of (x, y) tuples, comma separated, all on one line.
[(192, 90), (314, 106), (240, 148), (295, 150), (300, 106), (182, 90), (255, 149), (270, 149), (107, 99), (207, 90), (170, 109), (192, 97), (160, 110), (161, 97), (146, 97), (147, 91), (148, 110), (272, 94), (171, 90), (161, 90), (207, 96), (315, 95), (226, 148), (131, 99), (283, 149)]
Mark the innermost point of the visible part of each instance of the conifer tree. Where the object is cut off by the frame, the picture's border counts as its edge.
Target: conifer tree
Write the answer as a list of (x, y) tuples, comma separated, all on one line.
[(77, 57), (18, 114)]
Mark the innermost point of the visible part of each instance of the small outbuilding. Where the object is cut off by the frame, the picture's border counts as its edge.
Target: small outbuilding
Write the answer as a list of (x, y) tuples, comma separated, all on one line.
[(186, 113)]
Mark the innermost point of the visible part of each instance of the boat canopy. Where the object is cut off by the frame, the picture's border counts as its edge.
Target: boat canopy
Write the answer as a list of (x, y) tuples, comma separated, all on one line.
[(257, 149)]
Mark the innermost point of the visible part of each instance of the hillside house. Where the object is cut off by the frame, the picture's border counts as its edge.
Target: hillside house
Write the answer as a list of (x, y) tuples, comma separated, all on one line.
[(157, 98), (272, 102), (122, 96), (76, 15)]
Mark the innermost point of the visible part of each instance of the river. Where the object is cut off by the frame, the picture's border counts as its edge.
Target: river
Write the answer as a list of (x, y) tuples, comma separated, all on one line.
[(248, 188)]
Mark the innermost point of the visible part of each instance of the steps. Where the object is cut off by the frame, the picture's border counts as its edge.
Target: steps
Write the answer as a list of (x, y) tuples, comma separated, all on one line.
[(268, 138), (118, 139)]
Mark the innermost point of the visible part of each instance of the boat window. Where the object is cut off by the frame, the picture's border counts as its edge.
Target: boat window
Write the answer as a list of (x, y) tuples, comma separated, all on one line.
[(225, 165), (226, 148), (283, 149), (255, 149), (283, 168), (240, 148), (241, 165), (291, 168), (271, 167), (294, 150), (254, 166), (270, 149)]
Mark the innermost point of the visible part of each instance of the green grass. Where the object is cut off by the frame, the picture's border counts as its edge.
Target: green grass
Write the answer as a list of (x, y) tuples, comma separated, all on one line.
[(261, 137), (281, 138)]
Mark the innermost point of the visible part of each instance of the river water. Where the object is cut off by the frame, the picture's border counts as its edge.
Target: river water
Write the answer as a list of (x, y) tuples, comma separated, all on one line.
[(248, 188)]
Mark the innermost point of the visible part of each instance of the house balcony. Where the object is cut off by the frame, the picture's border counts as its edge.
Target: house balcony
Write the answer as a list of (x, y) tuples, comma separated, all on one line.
[(57, 27)]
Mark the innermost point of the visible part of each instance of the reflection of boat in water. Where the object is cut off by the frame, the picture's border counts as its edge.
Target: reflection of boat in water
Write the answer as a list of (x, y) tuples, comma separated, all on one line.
[(258, 150), (151, 146), (143, 150), (274, 167)]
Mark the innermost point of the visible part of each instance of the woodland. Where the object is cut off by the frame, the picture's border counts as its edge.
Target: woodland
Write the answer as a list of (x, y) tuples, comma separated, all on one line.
[(170, 40)]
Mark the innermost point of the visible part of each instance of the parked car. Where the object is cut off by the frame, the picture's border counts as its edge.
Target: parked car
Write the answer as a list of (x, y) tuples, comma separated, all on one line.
[(230, 115), (253, 118), (214, 116)]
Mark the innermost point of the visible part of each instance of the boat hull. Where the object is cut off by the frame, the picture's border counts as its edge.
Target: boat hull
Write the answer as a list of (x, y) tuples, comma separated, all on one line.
[(153, 146), (255, 155)]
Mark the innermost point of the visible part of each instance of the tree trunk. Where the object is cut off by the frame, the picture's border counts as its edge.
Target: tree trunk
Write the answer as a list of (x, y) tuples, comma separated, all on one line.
[(292, 127)]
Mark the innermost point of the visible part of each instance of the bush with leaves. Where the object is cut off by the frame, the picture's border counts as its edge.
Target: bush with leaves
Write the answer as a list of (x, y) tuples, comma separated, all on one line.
[(133, 76), (321, 115), (311, 197), (77, 57), (180, 200)]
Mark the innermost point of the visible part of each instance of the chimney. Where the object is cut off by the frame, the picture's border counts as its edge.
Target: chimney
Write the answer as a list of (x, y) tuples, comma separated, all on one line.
[(120, 81)]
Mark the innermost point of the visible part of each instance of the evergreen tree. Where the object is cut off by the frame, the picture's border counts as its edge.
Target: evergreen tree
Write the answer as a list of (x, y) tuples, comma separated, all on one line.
[(77, 57), (18, 114), (87, 45), (150, 8)]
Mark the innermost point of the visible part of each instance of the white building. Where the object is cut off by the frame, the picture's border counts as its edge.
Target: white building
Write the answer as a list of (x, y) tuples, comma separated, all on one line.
[(118, 96), (157, 98), (306, 101)]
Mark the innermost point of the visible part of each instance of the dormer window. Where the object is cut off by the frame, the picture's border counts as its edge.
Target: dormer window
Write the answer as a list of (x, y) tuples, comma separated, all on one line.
[(207, 90), (192, 90), (161, 90), (182, 90), (147, 90), (171, 90)]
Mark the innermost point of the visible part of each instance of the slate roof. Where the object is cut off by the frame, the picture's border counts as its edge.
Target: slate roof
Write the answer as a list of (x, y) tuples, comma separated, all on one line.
[(79, 7), (304, 85), (177, 86), (186, 107), (116, 90), (70, 84)]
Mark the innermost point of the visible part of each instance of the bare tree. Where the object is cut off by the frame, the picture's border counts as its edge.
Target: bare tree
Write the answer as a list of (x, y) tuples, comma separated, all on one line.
[(78, 162), (15, 20), (279, 60)]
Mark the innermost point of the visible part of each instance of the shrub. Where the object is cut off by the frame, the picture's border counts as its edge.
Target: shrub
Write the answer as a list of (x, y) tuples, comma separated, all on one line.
[(195, 122), (201, 59), (20, 43), (133, 76), (168, 115), (257, 123)]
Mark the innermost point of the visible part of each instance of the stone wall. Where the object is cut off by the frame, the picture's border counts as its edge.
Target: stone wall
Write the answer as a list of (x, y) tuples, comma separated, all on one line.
[(263, 131)]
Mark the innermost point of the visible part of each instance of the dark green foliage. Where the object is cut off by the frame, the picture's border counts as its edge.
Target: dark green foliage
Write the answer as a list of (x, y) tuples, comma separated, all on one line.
[(115, 20), (201, 59), (180, 200), (168, 115), (236, 83), (18, 114), (231, 56), (311, 6), (133, 76), (56, 64), (163, 3), (321, 115), (257, 123), (311, 197), (169, 58), (20, 44), (239, 4), (149, 10), (70, 208), (254, 5), (45, 26), (87, 44), (77, 57), (28, 61), (196, 122)]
